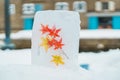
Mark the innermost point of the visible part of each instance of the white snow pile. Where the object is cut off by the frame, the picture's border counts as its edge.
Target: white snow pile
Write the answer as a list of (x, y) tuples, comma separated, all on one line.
[(103, 65), (84, 34), (22, 56), (32, 72), (16, 65), (23, 34), (100, 34)]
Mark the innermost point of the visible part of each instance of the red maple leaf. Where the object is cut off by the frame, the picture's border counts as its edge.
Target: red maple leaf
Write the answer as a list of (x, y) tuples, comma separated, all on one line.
[(45, 28), (54, 32), (51, 42), (58, 44)]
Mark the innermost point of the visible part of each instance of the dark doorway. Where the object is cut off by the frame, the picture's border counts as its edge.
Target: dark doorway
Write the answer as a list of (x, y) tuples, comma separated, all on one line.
[(105, 22)]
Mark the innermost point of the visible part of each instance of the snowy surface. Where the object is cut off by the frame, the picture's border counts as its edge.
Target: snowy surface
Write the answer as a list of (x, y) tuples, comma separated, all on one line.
[(16, 65), (100, 34), (84, 34), (23, 34), (15, 57), (104, 65)]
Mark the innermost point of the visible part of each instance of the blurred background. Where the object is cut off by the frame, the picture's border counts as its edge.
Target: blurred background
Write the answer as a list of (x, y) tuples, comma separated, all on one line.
[(100, 22)]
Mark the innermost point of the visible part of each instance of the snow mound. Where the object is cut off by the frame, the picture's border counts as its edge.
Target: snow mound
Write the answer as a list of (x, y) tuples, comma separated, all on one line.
[(84, 34), (32, 72)]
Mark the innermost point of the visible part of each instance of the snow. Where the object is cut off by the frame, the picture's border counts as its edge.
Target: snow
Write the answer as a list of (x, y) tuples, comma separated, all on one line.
[(15, 57), (84, 34), (23, 34), (100, 34), (104, 65), (16, 65)]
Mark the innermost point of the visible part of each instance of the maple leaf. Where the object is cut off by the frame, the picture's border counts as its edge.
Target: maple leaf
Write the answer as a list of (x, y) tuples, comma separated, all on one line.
[(57, 59), (58, 44), (54, 32), (44, 29), (45, 43), (51, 42)]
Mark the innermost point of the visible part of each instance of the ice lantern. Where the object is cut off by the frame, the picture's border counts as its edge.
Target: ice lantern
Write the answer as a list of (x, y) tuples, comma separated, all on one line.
[(28, 8), (55, 39)]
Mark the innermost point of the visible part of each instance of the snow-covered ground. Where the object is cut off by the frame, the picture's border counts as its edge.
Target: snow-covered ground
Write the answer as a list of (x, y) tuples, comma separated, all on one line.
[(102, 66), (16, 64)]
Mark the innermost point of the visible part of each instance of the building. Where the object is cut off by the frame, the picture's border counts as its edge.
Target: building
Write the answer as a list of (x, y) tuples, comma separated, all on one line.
[(95, 14)]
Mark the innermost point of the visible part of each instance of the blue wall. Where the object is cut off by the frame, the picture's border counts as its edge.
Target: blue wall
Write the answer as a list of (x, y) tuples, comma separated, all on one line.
[(38, 7), (28, 22), (93, 22), (116, 22)]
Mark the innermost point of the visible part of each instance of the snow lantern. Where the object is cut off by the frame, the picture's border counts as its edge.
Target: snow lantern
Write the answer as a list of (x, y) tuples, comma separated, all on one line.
[(55, 40)]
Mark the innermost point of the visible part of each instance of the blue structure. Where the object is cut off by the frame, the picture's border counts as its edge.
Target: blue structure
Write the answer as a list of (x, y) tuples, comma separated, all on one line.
[(38, 7), (116, 22), (93, 22), (85, 66), (28, 21)]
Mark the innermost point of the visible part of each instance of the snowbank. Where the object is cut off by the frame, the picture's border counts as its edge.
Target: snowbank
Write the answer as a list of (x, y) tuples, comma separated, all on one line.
[(100, 34), (103, 66), (22, 56), (23, 34), (32, 72), (16, 65), (84, 34)]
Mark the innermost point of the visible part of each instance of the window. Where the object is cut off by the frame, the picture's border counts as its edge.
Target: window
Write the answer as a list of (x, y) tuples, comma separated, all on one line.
[(105, 22), (62, 6), (12, 9), (111, 5), (98, 6), (105, 6), (28, 8), (80, 6)]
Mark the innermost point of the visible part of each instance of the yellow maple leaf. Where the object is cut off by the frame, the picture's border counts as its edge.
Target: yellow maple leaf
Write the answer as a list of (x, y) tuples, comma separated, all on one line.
[(57, 59), (44, 43)]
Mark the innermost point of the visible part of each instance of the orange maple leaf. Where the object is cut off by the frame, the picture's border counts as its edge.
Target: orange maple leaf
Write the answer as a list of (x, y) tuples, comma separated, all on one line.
[(51, 42), (54, 32), (45, 28), (58, 44)]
